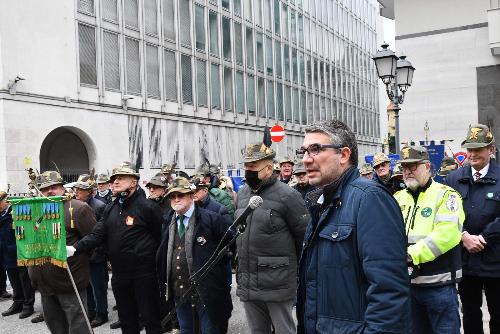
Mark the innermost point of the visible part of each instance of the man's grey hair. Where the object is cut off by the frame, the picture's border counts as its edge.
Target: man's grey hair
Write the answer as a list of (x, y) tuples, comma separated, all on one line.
[(339, 134)]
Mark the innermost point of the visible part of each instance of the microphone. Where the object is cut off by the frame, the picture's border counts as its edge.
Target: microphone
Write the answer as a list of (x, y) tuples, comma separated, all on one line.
[(253, 203)]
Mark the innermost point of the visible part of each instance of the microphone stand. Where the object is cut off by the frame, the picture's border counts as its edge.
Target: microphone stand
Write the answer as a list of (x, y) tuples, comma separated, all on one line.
[(195, 279)]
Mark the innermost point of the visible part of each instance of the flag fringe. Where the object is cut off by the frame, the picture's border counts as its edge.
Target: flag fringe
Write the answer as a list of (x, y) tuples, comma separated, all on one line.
[(41, 261)]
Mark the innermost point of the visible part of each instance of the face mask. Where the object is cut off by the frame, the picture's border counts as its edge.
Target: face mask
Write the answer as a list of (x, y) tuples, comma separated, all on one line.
[(252, 178)]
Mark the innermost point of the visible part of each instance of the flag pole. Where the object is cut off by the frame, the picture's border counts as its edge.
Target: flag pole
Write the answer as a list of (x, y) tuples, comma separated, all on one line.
[(80, 300)]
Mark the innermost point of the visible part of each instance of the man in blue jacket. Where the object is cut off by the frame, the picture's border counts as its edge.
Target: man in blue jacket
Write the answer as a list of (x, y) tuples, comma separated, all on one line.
[(478, 184), (353, 276)]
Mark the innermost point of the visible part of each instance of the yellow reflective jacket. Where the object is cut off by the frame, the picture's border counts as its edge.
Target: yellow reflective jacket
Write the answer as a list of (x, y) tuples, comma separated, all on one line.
[(433, 224)]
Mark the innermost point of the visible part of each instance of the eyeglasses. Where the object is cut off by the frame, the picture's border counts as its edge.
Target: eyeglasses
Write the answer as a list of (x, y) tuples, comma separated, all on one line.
[(315, 149), (410, 167)]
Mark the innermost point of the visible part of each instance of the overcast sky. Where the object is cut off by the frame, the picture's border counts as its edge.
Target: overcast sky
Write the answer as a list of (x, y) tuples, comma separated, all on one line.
[(389, 33)]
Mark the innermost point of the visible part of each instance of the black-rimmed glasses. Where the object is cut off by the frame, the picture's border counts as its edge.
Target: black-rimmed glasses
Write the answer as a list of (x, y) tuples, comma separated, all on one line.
[(314, 149)]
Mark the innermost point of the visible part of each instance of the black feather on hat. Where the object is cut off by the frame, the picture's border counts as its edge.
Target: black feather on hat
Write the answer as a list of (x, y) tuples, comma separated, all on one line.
[(266, 141)]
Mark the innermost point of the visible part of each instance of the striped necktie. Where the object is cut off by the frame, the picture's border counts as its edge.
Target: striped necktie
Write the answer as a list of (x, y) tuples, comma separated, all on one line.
[(477, 176)]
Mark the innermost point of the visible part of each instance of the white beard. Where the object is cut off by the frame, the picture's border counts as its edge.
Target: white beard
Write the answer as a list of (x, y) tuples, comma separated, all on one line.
[(176, 207), (412, 184)]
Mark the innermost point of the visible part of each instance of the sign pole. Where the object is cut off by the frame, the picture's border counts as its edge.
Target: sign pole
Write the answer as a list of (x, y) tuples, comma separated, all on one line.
[(80, 300)]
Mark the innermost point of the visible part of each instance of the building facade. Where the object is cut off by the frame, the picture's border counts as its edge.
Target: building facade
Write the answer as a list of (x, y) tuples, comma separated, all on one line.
[(455, 48), (88, 83)]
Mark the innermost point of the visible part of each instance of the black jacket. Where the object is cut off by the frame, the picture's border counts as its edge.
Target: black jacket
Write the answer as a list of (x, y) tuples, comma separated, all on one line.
[(131, 232), (99, 254), (202, 236), (108, 198), (387, 185), (481, 202), (8, 254)]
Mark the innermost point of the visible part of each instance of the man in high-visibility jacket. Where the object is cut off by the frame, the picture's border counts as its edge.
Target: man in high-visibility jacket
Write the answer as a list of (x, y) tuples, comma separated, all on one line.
[(433, 215)]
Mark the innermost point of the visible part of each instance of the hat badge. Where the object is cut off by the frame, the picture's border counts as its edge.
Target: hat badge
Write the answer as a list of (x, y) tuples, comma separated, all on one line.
[(406, 153), (474, 132)]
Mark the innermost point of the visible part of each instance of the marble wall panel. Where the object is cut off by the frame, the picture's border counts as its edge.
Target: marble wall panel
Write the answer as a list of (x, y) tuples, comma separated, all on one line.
[(135, 140), (155, 142), (171, 137)]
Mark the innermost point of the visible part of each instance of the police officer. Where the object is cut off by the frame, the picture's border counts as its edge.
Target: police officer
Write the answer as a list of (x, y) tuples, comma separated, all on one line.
[(286, 169), (131, 231), (104, 193), (97, 292), (479, 185), (448, 165), (366, 171), (382, 166), (433, 216)]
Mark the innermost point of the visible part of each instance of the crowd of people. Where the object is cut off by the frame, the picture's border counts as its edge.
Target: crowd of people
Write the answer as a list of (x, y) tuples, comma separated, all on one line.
[(374, 250)]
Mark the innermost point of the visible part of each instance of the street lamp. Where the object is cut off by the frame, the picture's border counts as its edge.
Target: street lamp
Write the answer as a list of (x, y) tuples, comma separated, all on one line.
[(397, 75)]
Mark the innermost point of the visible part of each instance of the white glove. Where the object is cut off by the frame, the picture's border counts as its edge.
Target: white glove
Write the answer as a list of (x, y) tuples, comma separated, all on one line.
[(70, 251)]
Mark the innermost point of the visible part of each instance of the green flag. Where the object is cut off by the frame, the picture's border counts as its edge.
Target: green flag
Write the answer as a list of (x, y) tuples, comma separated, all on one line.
[(40, 230)]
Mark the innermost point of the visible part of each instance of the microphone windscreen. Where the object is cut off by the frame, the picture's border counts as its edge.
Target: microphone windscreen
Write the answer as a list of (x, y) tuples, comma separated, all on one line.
[(255, 202)]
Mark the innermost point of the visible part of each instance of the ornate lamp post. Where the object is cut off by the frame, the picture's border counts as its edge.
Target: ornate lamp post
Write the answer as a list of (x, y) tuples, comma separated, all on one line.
[(397, 75)]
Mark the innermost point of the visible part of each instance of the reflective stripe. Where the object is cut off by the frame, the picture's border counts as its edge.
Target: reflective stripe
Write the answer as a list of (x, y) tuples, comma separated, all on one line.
[(412, 239), (438, 278), (432, 246), (446, 218)]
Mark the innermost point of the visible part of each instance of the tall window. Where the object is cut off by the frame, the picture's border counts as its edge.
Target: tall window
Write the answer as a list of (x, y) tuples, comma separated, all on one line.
[(200, 27), (168, 20), (201, 81), (187, 79), (261, 98), (214, 34), (248, 10), (228, 89), (300, 24), (279, 98), (133, 63), (238, 44), (249, 47), (226, 37), (240, 93), (225, 4), (170, 76), (277, 25), (109, 10), (131, 11), (293, 26), (153, 71), (88, 71), (286, 57), (251, 94), (288, 105), (277, 56), (151, 13), (260, 51), (268, 13), (185, 22), (269, 55), (237, 7), (215, 85), (111, 61), (258, 12), (284, 17), (270, 100)]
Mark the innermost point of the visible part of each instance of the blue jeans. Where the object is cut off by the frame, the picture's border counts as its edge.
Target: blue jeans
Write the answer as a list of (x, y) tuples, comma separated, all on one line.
[(435, 310), (185, 317), (97, 291)]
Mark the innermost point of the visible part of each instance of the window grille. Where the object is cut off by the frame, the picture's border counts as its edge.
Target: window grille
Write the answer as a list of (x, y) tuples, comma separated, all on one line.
[(88, 71), (170, 76), (111, 61), (133, 66), (131, 11), (153, 71), (201, 69)]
